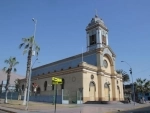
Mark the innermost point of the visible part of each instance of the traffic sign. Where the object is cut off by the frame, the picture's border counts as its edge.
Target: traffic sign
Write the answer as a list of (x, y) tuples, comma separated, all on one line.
[(53, 82), (56, 79)]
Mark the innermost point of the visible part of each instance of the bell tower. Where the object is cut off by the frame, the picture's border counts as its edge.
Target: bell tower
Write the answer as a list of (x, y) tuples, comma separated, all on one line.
[(96, 34)]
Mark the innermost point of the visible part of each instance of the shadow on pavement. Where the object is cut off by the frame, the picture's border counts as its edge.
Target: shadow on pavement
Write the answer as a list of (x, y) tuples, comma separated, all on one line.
[(137, 110)]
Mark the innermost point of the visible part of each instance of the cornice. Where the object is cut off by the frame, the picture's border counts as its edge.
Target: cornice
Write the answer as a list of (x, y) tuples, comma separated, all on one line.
[(83, 67), (94, 26)]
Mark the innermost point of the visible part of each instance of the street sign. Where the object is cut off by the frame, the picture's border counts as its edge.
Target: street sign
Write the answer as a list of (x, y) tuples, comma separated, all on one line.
[(53, 82), (56, 79)]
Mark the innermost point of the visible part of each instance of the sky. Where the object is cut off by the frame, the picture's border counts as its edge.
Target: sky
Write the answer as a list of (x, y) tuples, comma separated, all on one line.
[(61, 30)]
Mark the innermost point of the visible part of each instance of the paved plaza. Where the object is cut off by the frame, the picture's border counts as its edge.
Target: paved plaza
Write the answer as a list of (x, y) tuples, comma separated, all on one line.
[(38, 107)]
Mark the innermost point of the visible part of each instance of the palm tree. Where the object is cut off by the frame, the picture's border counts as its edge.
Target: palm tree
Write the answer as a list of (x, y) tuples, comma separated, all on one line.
[(28, 44), (142, 86), (125, 76), (11, 66)]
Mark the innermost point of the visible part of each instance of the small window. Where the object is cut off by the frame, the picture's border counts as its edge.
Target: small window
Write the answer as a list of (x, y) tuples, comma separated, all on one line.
[(103, 40), (45, 85), (63, 82), (22, 87)]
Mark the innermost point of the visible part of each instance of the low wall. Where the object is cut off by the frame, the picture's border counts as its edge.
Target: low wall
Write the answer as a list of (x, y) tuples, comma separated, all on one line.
[(49, 99), (37, 98), (10, 95)]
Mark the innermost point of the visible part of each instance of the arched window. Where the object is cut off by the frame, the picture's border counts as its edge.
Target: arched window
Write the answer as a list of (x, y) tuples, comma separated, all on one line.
[(106, 85), (63, 82), (45, 85), (23, 87), (92, 84)]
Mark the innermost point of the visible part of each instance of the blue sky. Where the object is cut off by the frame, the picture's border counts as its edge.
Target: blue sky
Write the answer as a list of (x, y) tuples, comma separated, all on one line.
[(61, 30)]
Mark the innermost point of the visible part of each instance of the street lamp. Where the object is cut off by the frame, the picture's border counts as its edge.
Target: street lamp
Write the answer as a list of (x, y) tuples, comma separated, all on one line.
[(33, 53), (81, 91), (130, 70)]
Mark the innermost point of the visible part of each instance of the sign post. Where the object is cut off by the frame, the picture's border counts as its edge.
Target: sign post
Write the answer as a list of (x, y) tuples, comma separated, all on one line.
[(56, 81)]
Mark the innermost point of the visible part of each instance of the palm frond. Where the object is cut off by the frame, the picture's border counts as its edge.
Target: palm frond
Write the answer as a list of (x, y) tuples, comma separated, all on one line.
[(15, 69), (4, 69), (12, 62), (25, 40), (15, 63), (6, 61), (25, 51), (125, 76), (27, 46), (21, 45)]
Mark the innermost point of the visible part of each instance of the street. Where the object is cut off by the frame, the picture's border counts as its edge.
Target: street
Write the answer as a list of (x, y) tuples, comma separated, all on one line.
[(3, 111)]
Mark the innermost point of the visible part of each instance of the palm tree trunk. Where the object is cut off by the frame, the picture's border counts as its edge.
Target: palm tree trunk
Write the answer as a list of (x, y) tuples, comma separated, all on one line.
[(27, 75), (7, 84)]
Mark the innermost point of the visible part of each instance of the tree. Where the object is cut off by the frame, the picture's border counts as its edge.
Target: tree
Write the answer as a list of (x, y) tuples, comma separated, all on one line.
[(125, 76), (12, 62), (28, 44), (142, 86)]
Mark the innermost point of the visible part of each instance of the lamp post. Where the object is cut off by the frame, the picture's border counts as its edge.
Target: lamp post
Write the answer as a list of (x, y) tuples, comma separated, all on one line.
[(81, 90), (132, 81), (33, 53)]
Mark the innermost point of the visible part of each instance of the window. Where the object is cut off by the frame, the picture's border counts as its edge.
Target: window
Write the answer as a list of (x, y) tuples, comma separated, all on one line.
[(63, 82), (52, 86), (93, 39), (45, 85), (103, 40), (105, 63), (22, 87)]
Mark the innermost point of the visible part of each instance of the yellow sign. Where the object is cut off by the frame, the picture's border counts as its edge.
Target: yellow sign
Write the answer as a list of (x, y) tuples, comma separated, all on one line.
[(53, 82), (56, 79)]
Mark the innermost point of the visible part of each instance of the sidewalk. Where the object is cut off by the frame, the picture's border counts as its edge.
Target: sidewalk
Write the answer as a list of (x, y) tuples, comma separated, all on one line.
[(39, 107)]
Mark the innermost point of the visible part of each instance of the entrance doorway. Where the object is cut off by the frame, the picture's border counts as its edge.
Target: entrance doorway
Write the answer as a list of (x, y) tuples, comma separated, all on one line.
[(92, 91), (118, 90), (107, 91)]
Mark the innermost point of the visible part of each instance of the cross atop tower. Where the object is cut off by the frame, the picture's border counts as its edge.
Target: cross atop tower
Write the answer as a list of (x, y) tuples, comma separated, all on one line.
[(96, 13)]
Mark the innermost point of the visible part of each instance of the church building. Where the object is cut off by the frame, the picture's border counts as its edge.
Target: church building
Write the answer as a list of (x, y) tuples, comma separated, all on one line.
[(93, 72)]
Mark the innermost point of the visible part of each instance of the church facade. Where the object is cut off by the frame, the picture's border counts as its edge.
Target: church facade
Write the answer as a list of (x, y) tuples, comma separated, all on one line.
[(93, 71)]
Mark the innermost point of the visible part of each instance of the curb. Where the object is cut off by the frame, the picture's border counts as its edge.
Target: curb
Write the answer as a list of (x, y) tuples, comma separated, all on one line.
[(8, 111)]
